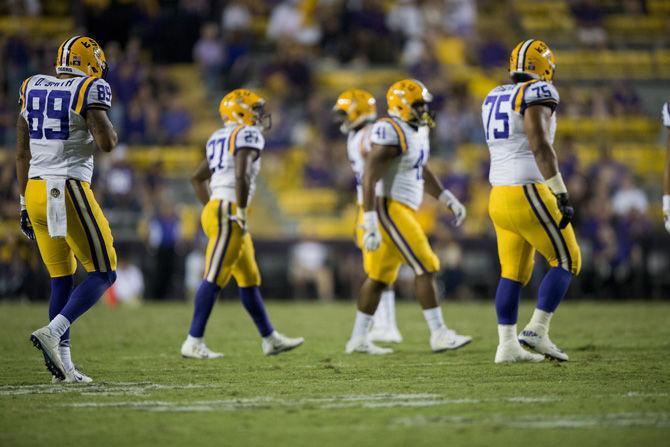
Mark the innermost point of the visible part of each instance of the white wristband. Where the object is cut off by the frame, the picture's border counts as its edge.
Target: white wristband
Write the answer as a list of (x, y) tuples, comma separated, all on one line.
[(22, 202), (666, 203), (369, 219), (447, 197), (556, 184)]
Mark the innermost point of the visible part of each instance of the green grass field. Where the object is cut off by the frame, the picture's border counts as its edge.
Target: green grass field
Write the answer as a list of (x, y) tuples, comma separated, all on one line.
[(614, 391)]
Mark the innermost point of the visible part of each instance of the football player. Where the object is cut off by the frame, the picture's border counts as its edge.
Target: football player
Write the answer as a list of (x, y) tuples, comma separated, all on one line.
[(62, 120), (529, 203), (356, 111), (666, 176), (397, 160), (230, 168)]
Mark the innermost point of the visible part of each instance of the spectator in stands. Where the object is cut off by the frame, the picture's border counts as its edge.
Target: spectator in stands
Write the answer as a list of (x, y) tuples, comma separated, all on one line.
[(175, 121), (294, 20), (120, 188), (309, 264), (162, 240), (236, 17), (129, 286), (589, 16), (629, 200), (208, 53), (625, 99)]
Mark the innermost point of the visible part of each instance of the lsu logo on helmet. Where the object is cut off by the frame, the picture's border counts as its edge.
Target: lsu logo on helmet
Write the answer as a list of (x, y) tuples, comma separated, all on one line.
[(533, 58), (354, 108), (244, 107), (408, 100), (81, 56)]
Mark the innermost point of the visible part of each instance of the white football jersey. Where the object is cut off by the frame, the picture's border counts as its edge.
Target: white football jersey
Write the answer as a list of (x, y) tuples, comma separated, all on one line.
[(665, 112), (512, 161), (358, 143), (221, 148), (403, 181), (55, 109)]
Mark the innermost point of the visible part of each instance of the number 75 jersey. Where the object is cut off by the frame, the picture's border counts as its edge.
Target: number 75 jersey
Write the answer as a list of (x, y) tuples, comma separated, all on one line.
[(55, 110), (512, 161)]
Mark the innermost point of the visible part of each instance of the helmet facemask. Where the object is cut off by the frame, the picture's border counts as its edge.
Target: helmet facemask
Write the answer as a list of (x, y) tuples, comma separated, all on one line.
[(340, 118), (260, 116), (421, 114)]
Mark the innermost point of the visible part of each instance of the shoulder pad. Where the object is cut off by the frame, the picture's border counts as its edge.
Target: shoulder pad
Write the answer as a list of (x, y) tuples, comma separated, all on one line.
[(387, 132), (535, 92), (247, 136)]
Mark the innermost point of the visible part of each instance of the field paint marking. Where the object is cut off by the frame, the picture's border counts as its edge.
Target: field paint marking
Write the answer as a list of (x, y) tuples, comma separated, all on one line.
[(97, 389), (654, 420)]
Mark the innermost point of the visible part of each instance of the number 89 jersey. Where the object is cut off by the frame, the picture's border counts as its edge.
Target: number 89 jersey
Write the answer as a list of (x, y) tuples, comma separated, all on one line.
[(512, 161), (55, 110), (221, 148)]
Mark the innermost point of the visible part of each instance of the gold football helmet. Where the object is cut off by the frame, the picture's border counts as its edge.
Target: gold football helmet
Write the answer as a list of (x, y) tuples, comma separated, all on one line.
[(354, 108), (81, 56), (533, 58), (408, 100), (244, 107)]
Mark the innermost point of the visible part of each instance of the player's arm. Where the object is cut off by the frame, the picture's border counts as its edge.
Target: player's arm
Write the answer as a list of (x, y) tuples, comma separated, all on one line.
[(377, 163), (536, 123), (435, 188), (666, 185), (199, 180), (22, 167), (101, 128), (244, 158)]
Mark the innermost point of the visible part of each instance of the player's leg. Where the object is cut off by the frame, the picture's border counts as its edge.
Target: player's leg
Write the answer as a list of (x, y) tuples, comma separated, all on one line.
[(561, 250), (384, 325), (223, 249), (516, 257), (400, 223), (61, 265), (248, 278)]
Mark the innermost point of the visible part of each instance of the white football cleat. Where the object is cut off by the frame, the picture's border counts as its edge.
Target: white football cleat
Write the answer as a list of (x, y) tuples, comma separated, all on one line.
[(48, 344), (364, 346), (446, 339), (385, 334), (512, 352), (541, 344), (276, 343), (198, 350), (73, 376)]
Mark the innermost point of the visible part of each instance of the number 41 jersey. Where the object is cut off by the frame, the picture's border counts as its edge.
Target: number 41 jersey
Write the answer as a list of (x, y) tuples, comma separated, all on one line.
[(512, 161), (55, 109), (221, 148)]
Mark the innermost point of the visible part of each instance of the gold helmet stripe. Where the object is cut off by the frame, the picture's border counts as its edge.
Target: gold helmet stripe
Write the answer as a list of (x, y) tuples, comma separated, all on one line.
[(65, 54), (521, 57)]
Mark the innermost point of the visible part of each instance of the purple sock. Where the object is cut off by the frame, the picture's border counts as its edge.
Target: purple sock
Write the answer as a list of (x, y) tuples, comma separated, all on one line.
[(253, 303), (86, 294), (61, 288), (553, 288), (507, 301), (204, 302)]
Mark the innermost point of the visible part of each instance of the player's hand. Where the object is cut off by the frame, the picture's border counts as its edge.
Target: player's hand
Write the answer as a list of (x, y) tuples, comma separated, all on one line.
[(26, 225), (455, 205), (566, 209), (372, 237), (241, 218)]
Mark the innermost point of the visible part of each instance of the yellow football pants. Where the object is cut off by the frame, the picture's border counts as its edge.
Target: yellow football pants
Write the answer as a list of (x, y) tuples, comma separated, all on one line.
[(526, 219), (403, 241), (88, 238), (230, 252)]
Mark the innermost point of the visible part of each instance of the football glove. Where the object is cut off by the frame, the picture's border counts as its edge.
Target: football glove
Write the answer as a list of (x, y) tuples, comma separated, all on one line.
[(372, 237), (566, 209), (666, 211), (455, 206), (241, 218), (26, 225)]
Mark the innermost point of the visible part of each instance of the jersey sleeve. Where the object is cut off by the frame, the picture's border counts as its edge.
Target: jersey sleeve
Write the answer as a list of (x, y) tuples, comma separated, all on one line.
[(536, 93), (99, 95), (665, 112), (22, 95), (248, 136), (387, 132)]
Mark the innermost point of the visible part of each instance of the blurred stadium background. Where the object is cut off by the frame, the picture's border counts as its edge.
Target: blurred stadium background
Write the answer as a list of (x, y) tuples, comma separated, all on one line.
[(171, 61)]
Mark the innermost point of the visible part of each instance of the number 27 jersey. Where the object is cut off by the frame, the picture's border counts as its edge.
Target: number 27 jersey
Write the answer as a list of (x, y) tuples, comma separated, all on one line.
[(55, 109), (221, 148), (512, 161)]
